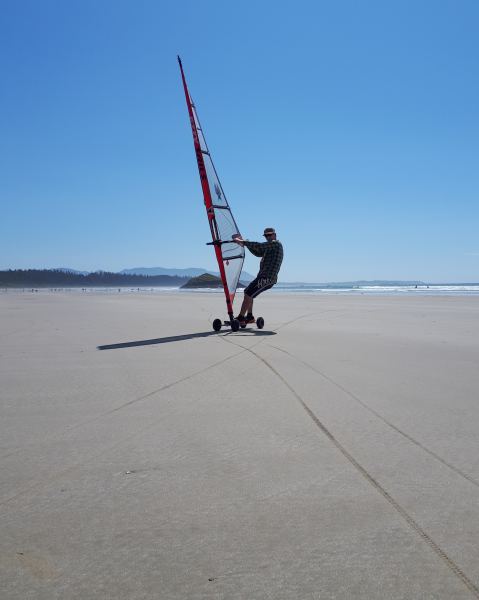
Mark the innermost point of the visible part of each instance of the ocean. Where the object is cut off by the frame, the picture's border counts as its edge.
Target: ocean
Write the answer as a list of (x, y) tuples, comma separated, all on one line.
[(446, 289), (466, 289)]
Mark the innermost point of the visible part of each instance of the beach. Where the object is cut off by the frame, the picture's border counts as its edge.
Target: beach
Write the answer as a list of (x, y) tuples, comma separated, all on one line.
[(332, 455)]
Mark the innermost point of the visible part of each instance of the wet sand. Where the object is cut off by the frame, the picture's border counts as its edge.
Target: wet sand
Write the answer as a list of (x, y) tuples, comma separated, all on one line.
[(335, 454)]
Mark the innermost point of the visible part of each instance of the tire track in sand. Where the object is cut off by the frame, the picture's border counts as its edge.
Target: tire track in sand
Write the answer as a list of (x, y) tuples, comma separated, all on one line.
[(410, 521), (43, 482), (381, 418)]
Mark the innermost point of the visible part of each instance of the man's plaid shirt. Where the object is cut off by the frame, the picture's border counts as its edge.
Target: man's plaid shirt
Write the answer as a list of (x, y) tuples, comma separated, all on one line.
[(272, 257)]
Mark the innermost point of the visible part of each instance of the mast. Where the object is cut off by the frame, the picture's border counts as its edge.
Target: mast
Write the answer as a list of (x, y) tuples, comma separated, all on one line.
[(211, 207)]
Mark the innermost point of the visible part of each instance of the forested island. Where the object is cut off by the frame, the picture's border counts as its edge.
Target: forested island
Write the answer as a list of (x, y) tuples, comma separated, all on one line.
[(206, 281), (59, 278)]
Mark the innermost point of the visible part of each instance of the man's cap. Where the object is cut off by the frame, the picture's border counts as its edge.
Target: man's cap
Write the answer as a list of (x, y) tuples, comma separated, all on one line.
[(269, 230)]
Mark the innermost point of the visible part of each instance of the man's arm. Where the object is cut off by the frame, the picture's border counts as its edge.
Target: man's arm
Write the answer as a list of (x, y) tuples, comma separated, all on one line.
[(253, 247), (256, 248), (238, 239)]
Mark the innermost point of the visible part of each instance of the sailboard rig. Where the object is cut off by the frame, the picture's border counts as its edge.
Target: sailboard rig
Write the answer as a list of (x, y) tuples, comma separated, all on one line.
[(230, 256)]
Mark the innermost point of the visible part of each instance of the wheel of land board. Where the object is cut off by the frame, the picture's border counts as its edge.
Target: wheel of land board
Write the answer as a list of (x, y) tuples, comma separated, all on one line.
[(243, 324), (235, 325), (217, 324), (260, 322)]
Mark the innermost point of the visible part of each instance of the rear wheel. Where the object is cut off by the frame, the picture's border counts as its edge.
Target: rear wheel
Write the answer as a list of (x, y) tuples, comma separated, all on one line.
[(235, 325), (260, 322), (217, 324)]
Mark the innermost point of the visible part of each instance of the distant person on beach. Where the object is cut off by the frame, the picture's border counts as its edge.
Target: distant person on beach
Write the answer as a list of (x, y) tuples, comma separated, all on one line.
[(271, 253)]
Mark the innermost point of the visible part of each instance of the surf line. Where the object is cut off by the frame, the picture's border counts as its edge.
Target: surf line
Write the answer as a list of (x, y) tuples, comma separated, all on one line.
[(414, 525)]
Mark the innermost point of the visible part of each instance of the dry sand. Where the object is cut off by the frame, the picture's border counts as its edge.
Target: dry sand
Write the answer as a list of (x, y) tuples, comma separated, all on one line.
[(333, 455)]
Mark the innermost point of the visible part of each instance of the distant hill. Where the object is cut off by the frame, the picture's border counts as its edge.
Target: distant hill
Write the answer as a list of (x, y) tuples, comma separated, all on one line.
[(68, 270), (189, 272), (62, 278), (155, 276), (206, 280)]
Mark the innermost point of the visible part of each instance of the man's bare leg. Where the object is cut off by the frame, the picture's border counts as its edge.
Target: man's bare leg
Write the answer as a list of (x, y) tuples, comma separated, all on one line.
[(247, 306)]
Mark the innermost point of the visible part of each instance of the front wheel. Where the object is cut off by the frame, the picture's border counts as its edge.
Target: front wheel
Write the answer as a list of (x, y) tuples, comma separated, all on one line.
[(260, 322), (235, 325), (217, 324)]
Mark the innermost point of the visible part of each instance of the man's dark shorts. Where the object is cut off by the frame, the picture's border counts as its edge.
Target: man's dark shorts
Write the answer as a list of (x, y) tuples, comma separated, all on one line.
[(258, 285)]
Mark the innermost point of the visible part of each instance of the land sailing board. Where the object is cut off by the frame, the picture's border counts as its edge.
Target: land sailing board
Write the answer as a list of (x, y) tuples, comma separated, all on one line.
[(236, 324)]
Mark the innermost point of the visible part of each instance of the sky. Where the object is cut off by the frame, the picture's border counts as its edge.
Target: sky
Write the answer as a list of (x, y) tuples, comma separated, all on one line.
[(351, 127)]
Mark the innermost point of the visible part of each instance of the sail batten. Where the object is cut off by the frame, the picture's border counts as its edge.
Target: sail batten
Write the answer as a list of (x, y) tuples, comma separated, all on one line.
[(229, 255)]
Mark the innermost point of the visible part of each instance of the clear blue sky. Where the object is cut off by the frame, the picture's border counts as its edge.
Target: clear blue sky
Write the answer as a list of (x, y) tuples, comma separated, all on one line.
[(352, 127)]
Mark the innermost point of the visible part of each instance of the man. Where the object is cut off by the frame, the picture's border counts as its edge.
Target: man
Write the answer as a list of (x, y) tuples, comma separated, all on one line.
[(271, 252)]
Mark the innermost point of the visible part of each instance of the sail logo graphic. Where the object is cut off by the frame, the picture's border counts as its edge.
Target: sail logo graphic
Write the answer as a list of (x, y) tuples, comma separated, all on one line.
[(218, 191)]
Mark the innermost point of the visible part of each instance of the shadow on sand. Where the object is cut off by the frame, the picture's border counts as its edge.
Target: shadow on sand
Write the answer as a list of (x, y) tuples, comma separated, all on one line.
[(181, 338)]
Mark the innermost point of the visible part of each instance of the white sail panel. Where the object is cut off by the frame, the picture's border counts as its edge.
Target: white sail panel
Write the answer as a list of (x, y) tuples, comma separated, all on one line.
[(224, 225)]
